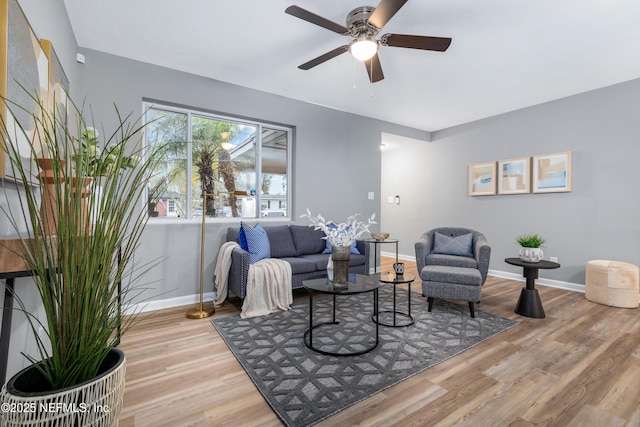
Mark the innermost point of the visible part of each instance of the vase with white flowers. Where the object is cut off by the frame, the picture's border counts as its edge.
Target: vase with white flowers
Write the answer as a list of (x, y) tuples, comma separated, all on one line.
[(342, 237)]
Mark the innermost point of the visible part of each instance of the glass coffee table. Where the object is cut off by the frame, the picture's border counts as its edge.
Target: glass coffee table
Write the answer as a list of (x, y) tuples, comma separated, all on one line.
[(392, 278), (358, 284)]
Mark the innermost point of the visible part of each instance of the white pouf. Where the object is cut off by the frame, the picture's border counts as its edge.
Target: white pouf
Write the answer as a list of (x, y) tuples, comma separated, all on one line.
[(612, 283)]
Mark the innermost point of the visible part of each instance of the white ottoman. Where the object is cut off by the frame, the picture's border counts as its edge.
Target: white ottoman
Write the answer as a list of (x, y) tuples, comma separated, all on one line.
[(612, 283)]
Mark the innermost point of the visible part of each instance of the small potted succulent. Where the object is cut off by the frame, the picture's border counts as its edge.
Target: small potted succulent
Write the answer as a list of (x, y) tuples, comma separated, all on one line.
[(530, 247)]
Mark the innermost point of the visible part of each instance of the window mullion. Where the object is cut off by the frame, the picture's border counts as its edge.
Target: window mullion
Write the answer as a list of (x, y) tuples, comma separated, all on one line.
[(188, 168), (258, 184)]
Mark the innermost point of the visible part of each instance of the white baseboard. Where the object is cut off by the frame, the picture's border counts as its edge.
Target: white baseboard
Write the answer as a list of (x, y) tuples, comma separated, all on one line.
[(168, 303), (569, 286), (209, 296), (576, 287)]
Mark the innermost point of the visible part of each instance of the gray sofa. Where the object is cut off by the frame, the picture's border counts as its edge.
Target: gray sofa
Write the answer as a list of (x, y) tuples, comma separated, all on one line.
[(453, 276), (301, 246)]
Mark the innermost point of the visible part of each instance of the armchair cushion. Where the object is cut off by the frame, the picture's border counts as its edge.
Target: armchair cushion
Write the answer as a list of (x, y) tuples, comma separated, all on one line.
[(451, 260), (461, 245)]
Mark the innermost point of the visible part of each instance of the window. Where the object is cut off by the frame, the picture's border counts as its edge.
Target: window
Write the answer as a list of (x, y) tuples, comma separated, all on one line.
[(242, 166)]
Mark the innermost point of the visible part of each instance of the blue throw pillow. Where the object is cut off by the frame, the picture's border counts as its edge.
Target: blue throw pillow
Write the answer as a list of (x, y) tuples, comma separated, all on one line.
[(461, 245), (328, 248), (242, 239), (257, 242)]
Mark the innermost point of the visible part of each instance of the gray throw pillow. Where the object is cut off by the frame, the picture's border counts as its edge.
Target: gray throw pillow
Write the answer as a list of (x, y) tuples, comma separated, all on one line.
[(461, 245)]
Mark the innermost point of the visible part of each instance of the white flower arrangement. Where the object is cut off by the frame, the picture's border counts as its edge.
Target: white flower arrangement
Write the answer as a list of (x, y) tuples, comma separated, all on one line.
[(343, 234)]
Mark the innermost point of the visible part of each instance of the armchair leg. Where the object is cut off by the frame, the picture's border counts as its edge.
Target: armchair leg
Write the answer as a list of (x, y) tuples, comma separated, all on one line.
[(471, 308), (430, 301)]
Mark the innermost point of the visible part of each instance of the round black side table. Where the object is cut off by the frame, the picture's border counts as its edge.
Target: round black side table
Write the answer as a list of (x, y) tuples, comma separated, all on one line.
[(392, 278), (529, 304), (375, 244), (360, 284)]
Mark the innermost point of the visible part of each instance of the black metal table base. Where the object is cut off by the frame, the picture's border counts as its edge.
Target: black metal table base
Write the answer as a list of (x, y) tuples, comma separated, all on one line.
[(409, 320), (529, 304), (396, 313), (308, 333)]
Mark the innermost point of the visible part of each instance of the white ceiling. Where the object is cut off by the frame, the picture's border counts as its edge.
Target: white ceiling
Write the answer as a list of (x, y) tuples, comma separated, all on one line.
[(505, 54)]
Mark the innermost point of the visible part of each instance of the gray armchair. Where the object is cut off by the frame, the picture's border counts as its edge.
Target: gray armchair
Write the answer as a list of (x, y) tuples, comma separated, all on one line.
[(453, 264)]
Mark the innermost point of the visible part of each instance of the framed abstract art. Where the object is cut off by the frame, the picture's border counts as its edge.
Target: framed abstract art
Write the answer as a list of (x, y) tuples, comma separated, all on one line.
[(24, 81), (482, 179), (514, 176), (552, 172)]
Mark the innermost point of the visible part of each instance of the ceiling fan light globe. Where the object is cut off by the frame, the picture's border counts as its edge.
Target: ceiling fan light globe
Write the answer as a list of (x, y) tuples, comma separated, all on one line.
[(363, 49)]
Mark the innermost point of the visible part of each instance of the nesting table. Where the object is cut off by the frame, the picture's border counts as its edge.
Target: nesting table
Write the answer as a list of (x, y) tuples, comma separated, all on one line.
[(392, 278), (359, 284), (375, 244)]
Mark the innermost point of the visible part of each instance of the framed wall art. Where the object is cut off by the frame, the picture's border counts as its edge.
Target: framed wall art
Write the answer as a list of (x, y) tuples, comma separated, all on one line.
[(58, 84), (514, 176), (24, 79), (482, 179), (552, 172)]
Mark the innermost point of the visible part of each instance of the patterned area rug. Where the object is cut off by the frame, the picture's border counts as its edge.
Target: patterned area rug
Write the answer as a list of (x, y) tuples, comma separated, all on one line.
[(304, 387)]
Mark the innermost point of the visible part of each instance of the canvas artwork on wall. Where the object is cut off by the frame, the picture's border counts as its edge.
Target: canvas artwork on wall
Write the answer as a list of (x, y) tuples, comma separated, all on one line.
[(482, 179), (552, 172), (58, 84), (514, 176), (23, 64)]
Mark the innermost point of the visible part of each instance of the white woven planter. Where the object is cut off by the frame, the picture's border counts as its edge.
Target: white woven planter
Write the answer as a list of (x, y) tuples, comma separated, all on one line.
[(97, 402), (531, 254)]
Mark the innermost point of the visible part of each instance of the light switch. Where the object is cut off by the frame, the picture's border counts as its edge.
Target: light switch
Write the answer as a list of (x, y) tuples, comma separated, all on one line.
[(371, 195), (390, 199)]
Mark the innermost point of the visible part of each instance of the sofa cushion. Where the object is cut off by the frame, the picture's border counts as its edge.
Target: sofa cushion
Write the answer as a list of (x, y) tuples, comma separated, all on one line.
[(451, 260), (461, 245), (455, 275), (306, 239), (257, 242), (281, 241), (300, 265), (321, 260)]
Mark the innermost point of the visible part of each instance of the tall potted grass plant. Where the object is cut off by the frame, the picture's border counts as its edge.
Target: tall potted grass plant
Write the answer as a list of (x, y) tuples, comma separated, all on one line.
[(84, 268)]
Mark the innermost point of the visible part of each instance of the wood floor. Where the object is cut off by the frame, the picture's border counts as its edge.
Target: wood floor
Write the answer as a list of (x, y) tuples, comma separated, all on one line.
[(580, 366)]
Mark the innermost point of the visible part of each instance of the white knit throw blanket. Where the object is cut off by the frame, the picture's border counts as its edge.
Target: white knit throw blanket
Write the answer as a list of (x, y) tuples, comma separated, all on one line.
[(268, 284)]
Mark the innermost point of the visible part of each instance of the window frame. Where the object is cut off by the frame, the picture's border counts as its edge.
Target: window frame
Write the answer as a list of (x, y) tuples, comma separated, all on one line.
[(259, 125)]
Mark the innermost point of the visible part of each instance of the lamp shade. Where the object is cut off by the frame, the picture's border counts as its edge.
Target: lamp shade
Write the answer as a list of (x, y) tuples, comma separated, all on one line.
[(364, 48)]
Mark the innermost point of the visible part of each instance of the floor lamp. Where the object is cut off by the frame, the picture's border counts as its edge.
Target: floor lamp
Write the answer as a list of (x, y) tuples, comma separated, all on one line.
[(200, 312)]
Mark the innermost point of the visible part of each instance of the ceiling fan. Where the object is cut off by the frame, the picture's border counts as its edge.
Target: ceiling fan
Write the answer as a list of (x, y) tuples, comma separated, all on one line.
[(363, 24)]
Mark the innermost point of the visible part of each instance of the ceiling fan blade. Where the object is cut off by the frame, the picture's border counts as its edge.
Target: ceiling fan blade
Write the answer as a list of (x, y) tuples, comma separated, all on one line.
[(439, 44), (323, 58), (303, 14), (384, 12), (374, 68)]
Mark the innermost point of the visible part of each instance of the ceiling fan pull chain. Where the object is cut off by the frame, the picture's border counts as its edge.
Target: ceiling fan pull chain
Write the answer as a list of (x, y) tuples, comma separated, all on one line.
[(354, 72), (370, 82)]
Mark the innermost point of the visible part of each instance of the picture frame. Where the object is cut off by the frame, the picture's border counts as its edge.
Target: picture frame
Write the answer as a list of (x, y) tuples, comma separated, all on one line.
[(482, 179), (23, 65), (552, 172), (514, 176), (58, 89)]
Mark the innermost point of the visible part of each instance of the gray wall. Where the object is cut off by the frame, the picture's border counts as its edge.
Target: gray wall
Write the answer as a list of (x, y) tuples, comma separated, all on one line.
[(599, 219), (336, 157)]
